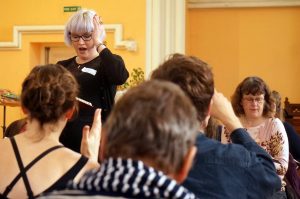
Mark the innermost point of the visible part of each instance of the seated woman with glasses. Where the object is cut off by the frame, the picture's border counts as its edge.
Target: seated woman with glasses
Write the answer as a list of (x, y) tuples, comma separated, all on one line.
[(252, 103), (95, 68)]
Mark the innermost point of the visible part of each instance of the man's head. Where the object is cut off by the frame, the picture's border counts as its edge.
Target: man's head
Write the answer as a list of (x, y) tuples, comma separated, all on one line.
[(154, 122), (193, 76)]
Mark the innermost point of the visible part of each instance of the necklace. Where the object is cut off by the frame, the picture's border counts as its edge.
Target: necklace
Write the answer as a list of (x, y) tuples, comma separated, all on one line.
[(78, 62)]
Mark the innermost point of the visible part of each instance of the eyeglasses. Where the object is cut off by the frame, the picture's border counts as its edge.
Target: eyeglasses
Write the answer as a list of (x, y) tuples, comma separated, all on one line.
[(258, 100), (85, 37)]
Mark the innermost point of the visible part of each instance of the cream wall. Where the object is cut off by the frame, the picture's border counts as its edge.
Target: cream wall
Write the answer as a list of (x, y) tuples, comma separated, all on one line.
[(240, 42), (15, 64)]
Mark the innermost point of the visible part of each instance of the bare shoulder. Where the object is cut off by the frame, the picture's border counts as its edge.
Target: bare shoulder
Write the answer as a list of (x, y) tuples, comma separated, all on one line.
[(6, 148), (72, 156), (88, 166)]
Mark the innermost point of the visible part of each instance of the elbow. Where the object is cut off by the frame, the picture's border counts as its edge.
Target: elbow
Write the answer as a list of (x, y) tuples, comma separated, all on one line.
[(123, 75)]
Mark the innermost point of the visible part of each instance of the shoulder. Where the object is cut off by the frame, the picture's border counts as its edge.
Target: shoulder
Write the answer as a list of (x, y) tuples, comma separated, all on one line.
[(212, 150), (66, 62), (276, 124), (5, 145), (106, 52)]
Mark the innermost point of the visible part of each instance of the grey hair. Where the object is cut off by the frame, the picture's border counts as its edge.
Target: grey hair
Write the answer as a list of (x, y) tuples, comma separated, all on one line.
[(154, 121), (80, 23)]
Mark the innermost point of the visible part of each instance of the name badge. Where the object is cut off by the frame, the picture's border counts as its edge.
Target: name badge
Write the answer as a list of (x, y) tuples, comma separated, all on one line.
[(89, 70)]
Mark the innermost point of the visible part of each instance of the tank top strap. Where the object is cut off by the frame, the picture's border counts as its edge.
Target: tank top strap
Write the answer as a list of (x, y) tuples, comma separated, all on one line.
[(69, 175), (23, 169)]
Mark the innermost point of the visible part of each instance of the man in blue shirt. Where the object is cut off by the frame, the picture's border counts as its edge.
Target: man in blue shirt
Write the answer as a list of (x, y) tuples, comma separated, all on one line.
[(239, 170)]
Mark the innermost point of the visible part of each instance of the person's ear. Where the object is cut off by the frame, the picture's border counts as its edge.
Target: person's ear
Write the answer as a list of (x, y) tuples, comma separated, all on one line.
[(24, 110), (204, 123), (187, 165), (70, 113)]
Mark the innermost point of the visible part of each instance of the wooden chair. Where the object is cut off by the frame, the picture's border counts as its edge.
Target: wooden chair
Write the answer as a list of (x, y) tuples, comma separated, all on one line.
[(292, 114)]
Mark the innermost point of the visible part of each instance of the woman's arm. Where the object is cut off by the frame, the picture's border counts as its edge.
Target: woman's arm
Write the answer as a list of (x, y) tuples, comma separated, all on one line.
[(112, 66), (279, 147), (91, 138)]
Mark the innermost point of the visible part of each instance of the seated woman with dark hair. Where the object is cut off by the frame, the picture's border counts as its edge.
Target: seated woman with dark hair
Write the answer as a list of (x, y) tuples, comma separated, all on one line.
[(34, 161), (252, 103), (149, 147)]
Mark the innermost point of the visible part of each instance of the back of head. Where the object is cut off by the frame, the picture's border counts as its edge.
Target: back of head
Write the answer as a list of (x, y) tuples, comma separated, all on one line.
[(48, 92), (193, 76), (252, 86), (154, 121), (81, 22)]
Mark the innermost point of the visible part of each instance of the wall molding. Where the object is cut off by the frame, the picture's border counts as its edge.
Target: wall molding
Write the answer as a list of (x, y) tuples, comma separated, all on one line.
[(18, 31), (241, 3)]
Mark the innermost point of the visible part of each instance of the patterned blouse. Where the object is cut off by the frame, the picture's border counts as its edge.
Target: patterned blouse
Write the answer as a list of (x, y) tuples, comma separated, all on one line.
[(272, 137)]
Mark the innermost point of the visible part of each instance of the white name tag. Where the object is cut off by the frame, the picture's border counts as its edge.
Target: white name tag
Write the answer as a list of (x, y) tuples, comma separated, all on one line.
[(89, 70)]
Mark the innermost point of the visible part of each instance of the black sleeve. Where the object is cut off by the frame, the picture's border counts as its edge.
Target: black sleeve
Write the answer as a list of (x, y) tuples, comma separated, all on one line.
[(113, 67)]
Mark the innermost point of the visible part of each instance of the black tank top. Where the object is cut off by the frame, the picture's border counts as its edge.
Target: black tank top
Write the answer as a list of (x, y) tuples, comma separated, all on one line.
[(59, 184)]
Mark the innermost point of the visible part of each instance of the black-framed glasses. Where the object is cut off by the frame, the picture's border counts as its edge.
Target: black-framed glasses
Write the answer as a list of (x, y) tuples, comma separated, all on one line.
[(258, 100), (85, 37)]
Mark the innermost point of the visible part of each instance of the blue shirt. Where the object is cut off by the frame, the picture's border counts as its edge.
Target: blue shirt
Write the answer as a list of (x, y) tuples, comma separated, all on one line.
[(232, 171)]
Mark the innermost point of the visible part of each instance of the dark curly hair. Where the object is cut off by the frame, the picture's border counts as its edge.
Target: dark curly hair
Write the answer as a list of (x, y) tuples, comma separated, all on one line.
[(48, 92), (254, 86)]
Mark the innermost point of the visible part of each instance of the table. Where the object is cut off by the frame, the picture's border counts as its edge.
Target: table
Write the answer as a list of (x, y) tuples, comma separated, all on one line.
[(4, 101)]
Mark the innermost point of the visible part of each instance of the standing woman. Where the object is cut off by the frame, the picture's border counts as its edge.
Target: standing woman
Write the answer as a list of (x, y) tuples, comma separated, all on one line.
[(95, 68), (252, 103)]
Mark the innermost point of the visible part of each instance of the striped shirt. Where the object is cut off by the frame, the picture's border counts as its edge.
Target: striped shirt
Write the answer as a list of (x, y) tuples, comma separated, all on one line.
[(129, 179)]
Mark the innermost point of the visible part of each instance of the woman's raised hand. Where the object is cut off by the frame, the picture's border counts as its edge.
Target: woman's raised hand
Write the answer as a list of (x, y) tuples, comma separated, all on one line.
[(91, 138), (99, 33)]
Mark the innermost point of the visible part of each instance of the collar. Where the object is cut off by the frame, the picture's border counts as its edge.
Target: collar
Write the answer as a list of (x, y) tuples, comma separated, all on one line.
[(130, 178)]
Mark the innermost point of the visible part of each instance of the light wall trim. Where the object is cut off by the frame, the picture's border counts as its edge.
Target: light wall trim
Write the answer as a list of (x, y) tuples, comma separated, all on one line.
[(241, 3), (18, 31), (165, 31)]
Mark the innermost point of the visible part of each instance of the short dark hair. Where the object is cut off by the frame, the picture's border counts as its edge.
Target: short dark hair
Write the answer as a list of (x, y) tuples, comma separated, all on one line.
[(255, 86), (153, 121), (193, 76), (48, 92)]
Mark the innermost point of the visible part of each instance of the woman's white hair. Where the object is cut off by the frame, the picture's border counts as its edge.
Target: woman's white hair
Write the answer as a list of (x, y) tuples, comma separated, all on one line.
[(81, 22)]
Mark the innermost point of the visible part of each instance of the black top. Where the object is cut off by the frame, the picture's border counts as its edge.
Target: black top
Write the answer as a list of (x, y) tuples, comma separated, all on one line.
[(59, 184), (98, 80)]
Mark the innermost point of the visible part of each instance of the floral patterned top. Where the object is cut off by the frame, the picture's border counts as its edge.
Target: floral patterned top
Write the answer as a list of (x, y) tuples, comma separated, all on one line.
[(272, 137)]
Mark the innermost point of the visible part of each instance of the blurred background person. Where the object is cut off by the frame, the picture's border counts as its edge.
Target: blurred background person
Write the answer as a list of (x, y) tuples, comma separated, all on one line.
[(293, 135)]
